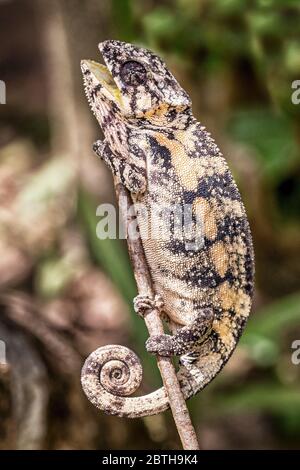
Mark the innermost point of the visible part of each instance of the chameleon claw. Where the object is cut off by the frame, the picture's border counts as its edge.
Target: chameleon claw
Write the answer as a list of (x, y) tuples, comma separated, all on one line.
[(189, 358), (142, 304)]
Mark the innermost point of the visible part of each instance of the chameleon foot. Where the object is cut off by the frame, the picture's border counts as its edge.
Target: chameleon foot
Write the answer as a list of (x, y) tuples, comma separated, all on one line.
[(185, 339), (143, 304)]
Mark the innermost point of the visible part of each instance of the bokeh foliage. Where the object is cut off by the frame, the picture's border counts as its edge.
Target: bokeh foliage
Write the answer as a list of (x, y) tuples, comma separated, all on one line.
[(237, 59)]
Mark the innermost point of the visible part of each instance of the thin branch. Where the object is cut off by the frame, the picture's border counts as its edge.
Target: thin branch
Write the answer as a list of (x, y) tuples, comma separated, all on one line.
[(154, 325)]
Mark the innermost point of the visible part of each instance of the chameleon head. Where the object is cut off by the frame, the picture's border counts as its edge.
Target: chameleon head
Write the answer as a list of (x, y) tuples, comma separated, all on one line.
[(135, 83)]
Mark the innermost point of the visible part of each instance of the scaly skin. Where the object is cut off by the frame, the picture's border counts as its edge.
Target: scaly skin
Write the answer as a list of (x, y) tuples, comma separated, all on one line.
[(158, 150)]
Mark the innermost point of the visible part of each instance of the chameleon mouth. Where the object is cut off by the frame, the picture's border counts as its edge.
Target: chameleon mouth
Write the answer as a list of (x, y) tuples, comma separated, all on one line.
[(104, 78)]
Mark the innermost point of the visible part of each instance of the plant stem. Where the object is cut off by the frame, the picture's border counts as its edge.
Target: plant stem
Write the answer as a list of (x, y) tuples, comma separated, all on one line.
[(154, 325)]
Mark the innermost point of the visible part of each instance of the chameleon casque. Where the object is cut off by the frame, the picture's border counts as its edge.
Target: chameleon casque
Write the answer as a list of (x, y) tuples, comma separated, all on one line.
[(158, 150)]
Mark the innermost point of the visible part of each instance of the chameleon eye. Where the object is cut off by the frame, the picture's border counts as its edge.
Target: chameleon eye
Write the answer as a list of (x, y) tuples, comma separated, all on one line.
[(133, 73)]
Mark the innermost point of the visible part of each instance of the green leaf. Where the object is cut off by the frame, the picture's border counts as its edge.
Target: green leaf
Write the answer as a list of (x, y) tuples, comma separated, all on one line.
[(262, 335), (270, 135), (123, 19), (263, 397), (161, 21), (271, 320)]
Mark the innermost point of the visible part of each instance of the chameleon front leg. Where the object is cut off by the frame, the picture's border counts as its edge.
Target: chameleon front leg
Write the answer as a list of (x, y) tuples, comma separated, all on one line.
[(185, 339), (144, 303), (133, 177)]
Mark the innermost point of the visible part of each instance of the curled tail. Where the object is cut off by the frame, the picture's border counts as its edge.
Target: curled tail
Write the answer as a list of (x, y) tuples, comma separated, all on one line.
[(112, 373)]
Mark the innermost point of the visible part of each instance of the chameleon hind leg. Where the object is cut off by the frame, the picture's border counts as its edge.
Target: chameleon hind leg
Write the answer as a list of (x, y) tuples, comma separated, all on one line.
[(185, 340)]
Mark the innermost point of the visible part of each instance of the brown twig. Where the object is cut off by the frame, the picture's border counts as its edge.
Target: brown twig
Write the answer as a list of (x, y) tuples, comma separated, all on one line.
[(155, 327)]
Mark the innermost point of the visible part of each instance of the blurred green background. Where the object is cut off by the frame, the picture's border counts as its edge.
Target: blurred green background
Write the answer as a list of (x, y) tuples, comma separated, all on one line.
[(63, 292)]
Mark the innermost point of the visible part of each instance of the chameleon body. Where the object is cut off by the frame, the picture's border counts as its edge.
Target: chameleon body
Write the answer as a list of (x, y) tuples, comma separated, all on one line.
[(155, 147)]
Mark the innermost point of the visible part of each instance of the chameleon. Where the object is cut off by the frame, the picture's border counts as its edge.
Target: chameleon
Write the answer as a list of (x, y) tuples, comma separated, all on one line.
[(158, 150)]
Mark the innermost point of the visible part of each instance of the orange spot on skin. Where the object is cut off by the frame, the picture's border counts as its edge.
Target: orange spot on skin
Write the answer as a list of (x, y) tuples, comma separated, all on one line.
[(224, 328), (187, 169), (203, 210), (158, 112), (227, 296), (149, 113), (231, 298), (190, 170), (219, 257)]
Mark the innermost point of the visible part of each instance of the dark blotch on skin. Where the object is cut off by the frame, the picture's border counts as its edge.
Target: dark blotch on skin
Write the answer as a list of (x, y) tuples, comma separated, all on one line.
[(207, 277), (221, 185), (249, 274), (161, 153), (230, 227)]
